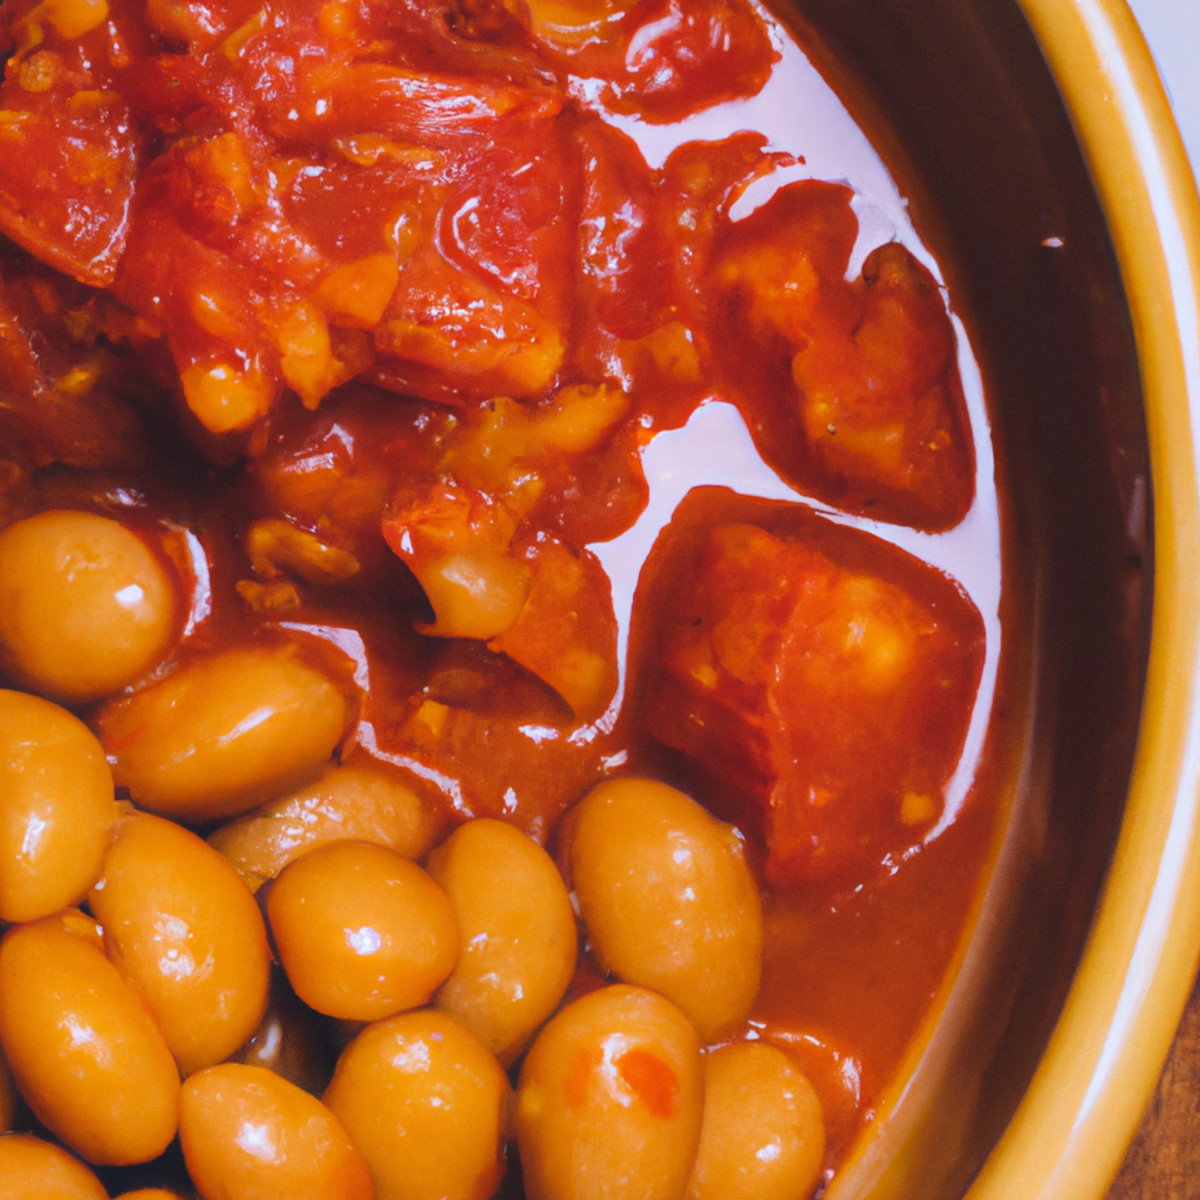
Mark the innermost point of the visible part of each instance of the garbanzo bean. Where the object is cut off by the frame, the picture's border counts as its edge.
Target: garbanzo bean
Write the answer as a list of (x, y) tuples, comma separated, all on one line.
[(223, 733), (610, 1099), (356, 801), (427, 1104), (56, 807), (668, 899), (86, 606), (361, 932), (247, 1134), (87, 1056), (763, 1136), (31, 1169), (184, 929), (516, 931)]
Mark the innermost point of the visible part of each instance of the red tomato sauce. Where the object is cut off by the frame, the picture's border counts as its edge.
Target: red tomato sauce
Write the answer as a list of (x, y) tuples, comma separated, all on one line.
[(511, 364)]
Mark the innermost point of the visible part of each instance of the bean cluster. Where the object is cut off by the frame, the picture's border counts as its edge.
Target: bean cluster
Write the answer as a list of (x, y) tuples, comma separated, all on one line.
[(445, 965)]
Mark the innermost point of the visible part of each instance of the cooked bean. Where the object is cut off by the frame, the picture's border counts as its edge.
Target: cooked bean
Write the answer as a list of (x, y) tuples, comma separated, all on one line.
[(610, 1099), (427, 1104), (31, 1169), (86, 606), (86, 1055), (763, 1136), (248, 1134), (56, 807), (668, 899), (150, 1194), (475, 594), (361, 932), (180, 924), (357, 801), (223, 733), (516, 928)]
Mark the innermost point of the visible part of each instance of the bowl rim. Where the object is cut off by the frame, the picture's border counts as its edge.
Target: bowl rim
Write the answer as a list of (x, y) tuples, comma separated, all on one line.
[(1083, 1106)]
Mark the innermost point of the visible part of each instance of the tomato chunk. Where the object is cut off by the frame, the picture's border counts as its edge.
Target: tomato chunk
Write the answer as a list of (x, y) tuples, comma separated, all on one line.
[(658, 59), (828, 692), (866, 407), (69, 155), (565, 633)]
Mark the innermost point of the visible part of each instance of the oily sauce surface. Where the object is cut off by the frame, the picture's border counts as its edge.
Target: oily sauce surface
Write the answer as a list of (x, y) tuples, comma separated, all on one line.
[(395, 333)]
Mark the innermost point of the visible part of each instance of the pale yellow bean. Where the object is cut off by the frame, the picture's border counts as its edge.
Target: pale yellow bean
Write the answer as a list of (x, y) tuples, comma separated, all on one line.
[(86, 1054), (427, 1104), (610, 1099), (517, 935), (224, 733), (86, 606), (763, 1136), (361, 932), (475, 594), (247, 1134), (57, 808), (668, 899), (361, 801), (180, 924), (32, 1169)]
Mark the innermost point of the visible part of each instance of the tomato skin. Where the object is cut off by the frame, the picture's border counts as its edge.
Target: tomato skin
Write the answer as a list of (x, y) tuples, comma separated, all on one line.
[(248, 1134), (88, 1057), (659, 59)]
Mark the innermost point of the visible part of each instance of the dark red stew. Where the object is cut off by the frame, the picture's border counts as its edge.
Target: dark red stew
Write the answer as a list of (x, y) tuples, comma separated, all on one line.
[(498, 607)]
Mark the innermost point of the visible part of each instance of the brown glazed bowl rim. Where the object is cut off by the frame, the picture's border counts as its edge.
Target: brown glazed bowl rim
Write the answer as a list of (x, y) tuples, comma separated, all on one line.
[(1075, 1121)]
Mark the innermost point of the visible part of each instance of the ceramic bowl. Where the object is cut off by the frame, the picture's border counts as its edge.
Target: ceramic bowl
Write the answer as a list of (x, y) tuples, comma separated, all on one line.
[(1042, 164)]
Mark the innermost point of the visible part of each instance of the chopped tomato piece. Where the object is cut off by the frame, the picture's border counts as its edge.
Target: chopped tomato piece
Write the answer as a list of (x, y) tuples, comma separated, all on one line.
[(352, 97), (659, 59), (69, 156), (867, 407), (526, 594), (830, 698), (446, 331), (621, 252), (682, 58), (565, 633)]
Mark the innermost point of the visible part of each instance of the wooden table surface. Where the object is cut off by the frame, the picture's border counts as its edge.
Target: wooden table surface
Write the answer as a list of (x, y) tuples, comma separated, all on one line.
[(1164, 1161)]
